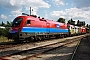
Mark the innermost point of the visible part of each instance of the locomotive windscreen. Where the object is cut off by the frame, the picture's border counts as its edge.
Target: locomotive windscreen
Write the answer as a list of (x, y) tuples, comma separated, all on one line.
[(16, 22)]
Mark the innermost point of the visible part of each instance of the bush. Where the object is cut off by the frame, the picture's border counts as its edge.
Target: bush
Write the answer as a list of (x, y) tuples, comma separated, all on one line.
[(4, 32)]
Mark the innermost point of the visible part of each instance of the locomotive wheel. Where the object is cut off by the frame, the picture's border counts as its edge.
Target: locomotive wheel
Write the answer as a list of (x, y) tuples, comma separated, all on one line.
[(17, 41), (48, 36), (62, 36), (57, 36), (37, 38), (31, 39), (65, 36), (40, 38), (28, 39)]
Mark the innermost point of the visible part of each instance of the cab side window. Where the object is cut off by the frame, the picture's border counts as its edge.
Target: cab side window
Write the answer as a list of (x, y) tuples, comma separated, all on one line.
[(28, 22)]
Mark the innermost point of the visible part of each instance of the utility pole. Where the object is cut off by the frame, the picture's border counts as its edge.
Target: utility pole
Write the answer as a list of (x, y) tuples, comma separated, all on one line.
[(30, 10)]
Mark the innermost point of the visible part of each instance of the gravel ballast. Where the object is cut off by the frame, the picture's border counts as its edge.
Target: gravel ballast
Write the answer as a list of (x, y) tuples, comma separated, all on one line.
[(83, 52), (57, 54)]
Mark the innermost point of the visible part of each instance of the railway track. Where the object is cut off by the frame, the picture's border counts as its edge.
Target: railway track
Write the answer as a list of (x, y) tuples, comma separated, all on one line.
[(8, 45), (58, 45), (14, 44), (4, 46), (82, 50), (39, 50)]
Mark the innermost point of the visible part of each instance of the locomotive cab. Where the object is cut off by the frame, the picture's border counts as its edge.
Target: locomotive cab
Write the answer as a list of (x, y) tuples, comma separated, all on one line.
[(15, 28), (15, 25)]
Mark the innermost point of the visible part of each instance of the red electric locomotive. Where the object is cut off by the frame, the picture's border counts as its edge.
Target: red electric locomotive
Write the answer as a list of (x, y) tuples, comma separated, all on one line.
[(29, 27)]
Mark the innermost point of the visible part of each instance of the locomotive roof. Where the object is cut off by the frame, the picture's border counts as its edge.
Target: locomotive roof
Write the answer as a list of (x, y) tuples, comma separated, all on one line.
[(29, 17), (33, 18)]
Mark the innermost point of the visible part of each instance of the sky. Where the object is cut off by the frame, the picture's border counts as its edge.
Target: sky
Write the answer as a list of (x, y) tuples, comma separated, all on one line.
[(49, 9)]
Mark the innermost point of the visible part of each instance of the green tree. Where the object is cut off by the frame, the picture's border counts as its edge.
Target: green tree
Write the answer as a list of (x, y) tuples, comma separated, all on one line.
[(8, 24), (71, 19), (78, 23), (81, 23), (62, 20), (84, 23), (87, 26), (71, 22), (4, 32), (2, 24)]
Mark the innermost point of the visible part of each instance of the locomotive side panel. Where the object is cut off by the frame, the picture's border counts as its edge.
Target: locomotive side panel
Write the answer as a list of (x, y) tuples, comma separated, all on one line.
[(36, 28), (58, 28)]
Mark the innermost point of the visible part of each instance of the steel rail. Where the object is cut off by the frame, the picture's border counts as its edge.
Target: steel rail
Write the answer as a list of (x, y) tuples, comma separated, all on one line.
[(74, 52), (48, 50)]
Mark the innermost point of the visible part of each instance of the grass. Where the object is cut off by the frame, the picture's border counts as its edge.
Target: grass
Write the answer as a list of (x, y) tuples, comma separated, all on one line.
[(4, 39)]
